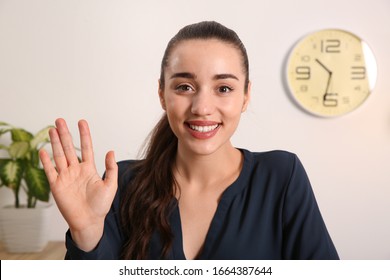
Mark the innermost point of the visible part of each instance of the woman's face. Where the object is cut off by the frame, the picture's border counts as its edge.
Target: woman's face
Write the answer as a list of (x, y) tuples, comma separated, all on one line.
[(204, 94)]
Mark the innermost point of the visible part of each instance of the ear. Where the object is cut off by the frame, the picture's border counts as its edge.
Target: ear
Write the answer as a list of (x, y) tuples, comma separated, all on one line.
[(247, 97), (161, 96)]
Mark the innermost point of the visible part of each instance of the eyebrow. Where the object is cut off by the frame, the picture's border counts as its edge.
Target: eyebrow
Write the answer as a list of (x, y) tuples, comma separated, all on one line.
[(189, 75), (183, 75), (225, 76)]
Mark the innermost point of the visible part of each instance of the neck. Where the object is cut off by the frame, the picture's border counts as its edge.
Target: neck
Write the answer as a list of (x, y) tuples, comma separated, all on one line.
[(202, 171)]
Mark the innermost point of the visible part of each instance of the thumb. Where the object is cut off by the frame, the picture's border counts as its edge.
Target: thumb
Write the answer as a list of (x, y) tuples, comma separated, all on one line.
[(111, 169)]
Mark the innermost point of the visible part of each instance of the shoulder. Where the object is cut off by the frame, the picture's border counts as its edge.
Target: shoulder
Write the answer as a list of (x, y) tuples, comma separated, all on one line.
[(274, 170), (126, 165), (283, 172), (273, 157), (274, 161), (126, 170)]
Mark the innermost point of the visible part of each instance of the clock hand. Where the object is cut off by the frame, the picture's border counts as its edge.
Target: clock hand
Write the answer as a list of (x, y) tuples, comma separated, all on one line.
[(327, 85), (323, 66), (329, 73)]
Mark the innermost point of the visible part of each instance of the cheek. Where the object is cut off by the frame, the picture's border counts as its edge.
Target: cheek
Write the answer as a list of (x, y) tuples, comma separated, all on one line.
[(172, 104), (176, 107), (234, 106), (233, 111)]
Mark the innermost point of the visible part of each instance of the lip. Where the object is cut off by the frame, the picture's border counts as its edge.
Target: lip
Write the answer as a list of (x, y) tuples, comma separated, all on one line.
[(202, 135)]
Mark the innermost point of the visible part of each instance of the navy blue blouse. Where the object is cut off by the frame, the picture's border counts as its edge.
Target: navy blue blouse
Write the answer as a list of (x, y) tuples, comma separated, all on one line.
[(269, 212)]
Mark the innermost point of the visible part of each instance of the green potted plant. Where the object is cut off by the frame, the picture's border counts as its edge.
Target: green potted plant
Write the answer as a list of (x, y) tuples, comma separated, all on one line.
[(20, 171), (21, 168)]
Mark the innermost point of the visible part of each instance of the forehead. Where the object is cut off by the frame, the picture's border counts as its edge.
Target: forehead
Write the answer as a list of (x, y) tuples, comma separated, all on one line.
[(205, 54)]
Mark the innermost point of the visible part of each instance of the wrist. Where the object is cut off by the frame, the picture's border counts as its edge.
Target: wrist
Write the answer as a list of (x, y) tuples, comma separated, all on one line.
[(88, 238)]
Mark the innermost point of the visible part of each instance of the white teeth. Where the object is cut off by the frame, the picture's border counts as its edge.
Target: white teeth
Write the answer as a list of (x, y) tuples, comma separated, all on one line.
[(203, 128)]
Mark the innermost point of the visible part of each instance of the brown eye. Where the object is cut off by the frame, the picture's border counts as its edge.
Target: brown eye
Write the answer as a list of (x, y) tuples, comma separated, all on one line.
[(224, 89), (184, 88)]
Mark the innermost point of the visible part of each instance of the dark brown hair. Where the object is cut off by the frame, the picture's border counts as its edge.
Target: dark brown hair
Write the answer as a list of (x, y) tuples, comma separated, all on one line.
[(147, 202)]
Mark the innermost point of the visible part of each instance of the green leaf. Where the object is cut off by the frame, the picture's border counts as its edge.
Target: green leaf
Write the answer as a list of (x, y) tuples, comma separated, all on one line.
[(34, 157), (5, 127), (37, 183), (41, 137), (4, 124), (11, 173), (19, 134), (4, 131), (19, 149)]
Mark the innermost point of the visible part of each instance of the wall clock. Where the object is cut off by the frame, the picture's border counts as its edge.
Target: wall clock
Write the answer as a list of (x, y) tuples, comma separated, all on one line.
[(331, 72)]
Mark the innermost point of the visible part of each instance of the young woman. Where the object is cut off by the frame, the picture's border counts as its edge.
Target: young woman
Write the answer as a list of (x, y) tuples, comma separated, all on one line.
[(194, 195)]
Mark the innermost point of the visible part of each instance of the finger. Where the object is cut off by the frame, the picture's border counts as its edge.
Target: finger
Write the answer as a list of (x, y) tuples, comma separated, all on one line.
[(50, 171), (111, 169), (58, 152), (67, 142), (86, 142)]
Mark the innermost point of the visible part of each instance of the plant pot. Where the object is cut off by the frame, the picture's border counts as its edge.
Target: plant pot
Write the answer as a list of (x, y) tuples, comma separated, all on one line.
[(25, 229)]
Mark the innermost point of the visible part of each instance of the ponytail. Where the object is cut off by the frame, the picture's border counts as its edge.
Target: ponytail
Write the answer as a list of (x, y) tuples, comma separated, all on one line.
[(147, 202)]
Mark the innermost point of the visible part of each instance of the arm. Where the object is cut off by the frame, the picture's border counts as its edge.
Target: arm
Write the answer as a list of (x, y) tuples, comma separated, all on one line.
[(108, 248), (304, 232)]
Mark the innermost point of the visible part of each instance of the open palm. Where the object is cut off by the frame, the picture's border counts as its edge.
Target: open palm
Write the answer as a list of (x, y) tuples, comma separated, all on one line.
[(82, 196)]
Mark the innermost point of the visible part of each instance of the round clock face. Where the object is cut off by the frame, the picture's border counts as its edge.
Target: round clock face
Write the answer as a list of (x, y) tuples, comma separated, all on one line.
[(331, 72)]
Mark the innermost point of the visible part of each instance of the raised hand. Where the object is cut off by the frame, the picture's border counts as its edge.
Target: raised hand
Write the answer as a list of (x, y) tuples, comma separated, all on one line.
[(83, 198)]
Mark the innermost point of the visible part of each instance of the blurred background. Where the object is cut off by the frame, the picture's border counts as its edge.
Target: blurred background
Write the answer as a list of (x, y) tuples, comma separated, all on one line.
[(100, 60)]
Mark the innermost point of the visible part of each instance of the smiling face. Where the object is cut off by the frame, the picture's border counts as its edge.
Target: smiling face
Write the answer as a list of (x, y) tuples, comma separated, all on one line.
[(204, 94)]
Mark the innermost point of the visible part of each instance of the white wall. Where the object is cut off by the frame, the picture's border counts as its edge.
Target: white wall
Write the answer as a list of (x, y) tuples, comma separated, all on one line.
[(99, 60)]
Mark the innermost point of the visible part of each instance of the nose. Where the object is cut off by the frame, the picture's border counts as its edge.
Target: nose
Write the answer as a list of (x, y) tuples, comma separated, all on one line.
[(202, 103)]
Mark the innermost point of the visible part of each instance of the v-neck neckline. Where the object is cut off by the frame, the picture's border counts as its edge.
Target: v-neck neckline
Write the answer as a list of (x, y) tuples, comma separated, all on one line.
[(218, 217)]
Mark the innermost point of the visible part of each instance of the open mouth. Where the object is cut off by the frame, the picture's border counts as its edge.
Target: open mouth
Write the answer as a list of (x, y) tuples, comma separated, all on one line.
[(203, 128)]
